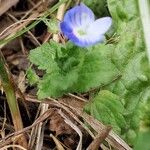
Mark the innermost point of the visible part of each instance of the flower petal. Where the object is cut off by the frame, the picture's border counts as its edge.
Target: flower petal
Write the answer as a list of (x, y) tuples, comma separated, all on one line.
[(89, 39), (100, 26), (65, 28), (80, 28), (86, 41), (79, 16)]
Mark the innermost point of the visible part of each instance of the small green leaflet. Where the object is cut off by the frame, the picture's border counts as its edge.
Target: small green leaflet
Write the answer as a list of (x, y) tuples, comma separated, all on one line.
[(32, 76), (44, 56), (108, 108), (99, 7)]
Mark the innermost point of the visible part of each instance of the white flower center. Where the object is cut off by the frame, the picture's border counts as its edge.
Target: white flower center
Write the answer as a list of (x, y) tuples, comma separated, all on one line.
[(81, 32)]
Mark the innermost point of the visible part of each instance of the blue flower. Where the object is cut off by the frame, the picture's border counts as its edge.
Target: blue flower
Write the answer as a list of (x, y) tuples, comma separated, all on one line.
[(80, 27)]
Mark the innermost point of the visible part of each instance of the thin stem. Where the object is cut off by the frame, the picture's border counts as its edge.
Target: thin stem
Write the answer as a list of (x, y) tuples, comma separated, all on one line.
[(60, 14), (144, 7), (78, 2)]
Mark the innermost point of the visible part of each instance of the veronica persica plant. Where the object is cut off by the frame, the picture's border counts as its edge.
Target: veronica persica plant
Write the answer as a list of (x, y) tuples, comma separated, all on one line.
[(80, 27)]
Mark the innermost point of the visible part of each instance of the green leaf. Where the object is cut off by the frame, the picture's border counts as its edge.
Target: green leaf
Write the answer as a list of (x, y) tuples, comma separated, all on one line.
[(56, 84), (130, 59), (61, 65), (44, 56), (32, 76), (108, 108), (143, 141), (97, 69), (145, 111), (134, 75), (98, 7), (124, 10), (71, 68)]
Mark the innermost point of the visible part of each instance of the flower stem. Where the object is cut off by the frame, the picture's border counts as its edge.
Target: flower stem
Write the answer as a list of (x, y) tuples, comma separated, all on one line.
[(60, 14), (78, 2)]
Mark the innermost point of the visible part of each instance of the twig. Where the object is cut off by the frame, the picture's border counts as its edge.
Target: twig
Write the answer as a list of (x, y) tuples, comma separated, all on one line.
[(13, 146), (99, 139), (77, 97)]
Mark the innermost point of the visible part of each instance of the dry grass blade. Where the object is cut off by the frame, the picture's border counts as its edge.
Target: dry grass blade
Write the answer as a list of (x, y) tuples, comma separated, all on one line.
[(40, 129), (33, 133), (10, 138), (6, 4), (13, 146), (69, 122), (22, 22), (113, 139), (21, 26), (33, 16), (58, 144)]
